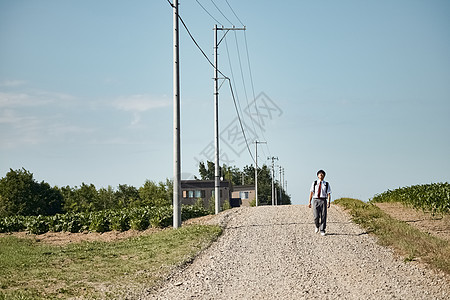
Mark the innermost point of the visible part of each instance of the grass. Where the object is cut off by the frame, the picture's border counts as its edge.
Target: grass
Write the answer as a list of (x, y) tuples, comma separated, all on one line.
[(33, 270), (408, 241)]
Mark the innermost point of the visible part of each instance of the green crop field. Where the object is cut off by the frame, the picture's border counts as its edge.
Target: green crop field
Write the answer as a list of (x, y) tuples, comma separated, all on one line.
[(101, 221), (434, 197)]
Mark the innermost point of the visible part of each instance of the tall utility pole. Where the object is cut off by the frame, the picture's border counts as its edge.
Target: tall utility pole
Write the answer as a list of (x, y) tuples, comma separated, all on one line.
[(273, 176), (256, 169), (281, 186), (176, 122), (216, 114)]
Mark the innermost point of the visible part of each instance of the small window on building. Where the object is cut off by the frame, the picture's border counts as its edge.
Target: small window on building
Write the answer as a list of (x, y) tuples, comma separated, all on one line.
[(244, 195), (198, 194), (191, 194), (184, 194)]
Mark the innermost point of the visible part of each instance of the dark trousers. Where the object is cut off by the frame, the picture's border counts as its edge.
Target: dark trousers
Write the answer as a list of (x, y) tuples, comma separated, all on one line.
[(320, 213)]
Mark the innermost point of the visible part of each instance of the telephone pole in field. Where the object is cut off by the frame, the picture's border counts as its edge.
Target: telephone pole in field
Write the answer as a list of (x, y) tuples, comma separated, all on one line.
[(176, 122), (273, 177), (216, 113), (281, 186), (256, 169)]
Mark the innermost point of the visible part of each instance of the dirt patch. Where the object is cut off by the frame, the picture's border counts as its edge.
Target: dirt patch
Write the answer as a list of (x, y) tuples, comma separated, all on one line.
[(199, 221), (438, 226), (64, 238)]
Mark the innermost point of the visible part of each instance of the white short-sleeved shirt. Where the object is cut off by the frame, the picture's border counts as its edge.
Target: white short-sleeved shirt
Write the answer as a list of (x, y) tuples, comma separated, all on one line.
[(325, 189)]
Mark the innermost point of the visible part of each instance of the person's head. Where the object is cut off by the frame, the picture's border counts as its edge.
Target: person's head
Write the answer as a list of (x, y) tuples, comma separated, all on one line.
[(321, 174)]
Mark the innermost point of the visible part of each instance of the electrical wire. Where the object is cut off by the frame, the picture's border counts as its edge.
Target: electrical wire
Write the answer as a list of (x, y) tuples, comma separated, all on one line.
[(240, 122), (208, 13), (234, 13), (253, 90), (221, 12), (225, 77), (242, 77), (232, 74)]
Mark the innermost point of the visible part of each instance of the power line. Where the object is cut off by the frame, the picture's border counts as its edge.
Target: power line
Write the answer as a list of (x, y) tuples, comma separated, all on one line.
[(208, 12), (225, 77), (240, 122), (232, 74), (253, 88), (242, 76), (221, 12), (234, 13)]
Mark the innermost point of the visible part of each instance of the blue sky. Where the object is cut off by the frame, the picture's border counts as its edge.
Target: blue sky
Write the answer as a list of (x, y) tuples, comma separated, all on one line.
[(358, 88)]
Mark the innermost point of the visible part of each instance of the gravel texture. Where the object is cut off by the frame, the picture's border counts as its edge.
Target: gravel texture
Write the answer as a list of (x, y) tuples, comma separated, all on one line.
[(273, 253)]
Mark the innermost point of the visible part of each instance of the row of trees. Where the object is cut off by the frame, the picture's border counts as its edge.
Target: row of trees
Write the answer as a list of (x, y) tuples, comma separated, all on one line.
[(21, 194), (247, 176)]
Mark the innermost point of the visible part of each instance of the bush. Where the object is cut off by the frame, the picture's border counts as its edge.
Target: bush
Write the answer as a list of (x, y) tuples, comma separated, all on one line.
[(139, 219), (12, 224), (99, 221), (37, 225), (226, 205), (120, 221)]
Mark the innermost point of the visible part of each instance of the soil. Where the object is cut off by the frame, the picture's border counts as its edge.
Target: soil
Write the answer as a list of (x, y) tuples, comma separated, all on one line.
[(64, 238), (438, 225)]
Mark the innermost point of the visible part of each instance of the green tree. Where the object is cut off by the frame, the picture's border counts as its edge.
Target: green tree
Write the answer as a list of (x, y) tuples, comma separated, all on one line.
[(207, 172), (107, 198), (50, 198), (84, 199), (249, 174), (153, 194), (20, 194), (127, 196), (232, 174)]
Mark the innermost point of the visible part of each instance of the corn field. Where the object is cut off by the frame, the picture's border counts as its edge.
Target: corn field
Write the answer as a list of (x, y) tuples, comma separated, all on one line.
[(434, 197)]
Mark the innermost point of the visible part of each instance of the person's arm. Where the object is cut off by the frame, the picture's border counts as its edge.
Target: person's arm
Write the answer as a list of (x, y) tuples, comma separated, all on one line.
[(329, 199), (310, 197)]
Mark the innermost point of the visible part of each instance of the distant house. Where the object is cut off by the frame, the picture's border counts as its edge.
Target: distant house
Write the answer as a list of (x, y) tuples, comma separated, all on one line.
[(246, 193), (192, 190)]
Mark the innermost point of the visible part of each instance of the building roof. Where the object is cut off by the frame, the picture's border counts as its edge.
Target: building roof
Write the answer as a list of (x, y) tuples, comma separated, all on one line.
[(205, 184), (247, 187)]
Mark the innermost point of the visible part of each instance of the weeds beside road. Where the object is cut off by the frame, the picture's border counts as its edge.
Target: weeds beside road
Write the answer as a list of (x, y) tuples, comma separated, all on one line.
[(409, 242)]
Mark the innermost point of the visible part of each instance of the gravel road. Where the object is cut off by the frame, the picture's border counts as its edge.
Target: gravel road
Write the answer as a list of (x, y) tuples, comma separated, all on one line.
[(273, 253)]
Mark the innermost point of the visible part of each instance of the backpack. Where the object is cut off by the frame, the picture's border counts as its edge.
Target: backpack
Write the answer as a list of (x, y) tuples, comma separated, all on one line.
[(326, 186)]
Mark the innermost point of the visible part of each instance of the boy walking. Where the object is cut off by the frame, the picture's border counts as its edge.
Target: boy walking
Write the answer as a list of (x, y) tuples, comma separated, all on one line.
[(320, 192)]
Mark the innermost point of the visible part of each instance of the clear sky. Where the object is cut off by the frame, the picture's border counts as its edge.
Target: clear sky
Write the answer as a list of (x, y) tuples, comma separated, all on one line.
[(360, 89)]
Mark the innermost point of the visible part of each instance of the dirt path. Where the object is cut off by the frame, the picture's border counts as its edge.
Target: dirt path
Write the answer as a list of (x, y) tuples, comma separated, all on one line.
[(273, 253)]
